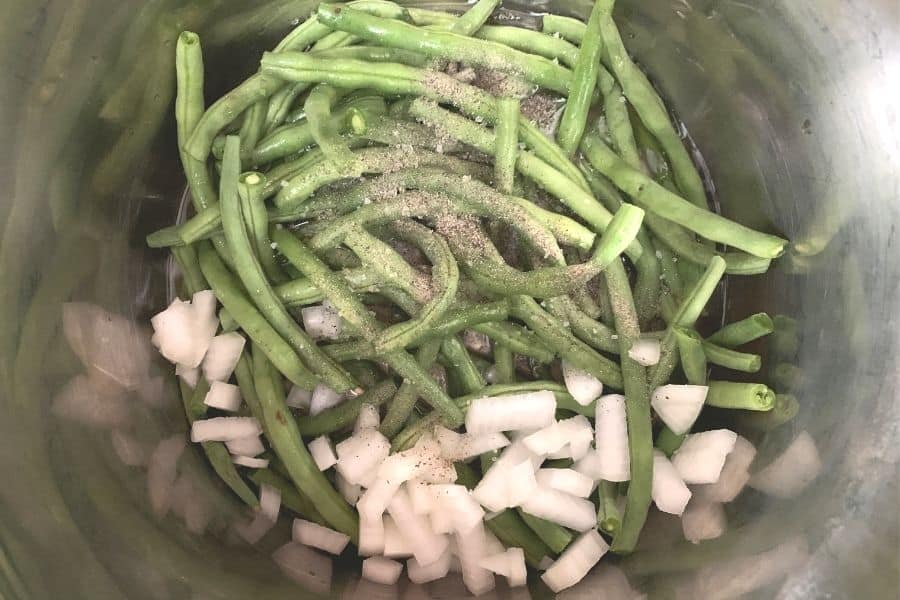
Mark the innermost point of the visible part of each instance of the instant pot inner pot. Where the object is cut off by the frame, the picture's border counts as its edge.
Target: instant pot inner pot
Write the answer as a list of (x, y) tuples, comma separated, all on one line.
[(794, 105)]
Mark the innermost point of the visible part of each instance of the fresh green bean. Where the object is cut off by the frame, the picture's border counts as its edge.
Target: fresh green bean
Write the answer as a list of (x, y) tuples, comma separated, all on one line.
[(568, 28), (732, 359), (405, 399), (785, 409), (256, 219), (472, 20), (692, 355), (519, 340), (461, 363), (344, 414), (744, 396), (584, 80), (556, 537), (506, 144), (318, 108), (387, 264), (186, 258), (667, 441), (253, 125), (189, 106), (593, 332), (302, 292), (743, 331), (608, 518), (284, 436), (251, 274), (504, 367)]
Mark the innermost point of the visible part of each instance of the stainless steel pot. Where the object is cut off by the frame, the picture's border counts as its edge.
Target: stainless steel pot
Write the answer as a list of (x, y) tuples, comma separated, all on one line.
[(795, 106)]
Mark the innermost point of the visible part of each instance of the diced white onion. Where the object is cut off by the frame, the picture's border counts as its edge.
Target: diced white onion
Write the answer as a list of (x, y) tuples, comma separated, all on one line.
[(360, 455), (269, 501), (190, 375), (222, 356), (471, 548), (311, 570), (317, 536), (576, 433), (419, 573), (702, 455), (611, 441), (223, 429), (322, 322), (456, 502), (184, 330), (561, 508), (431, 467), (569, 481), (371, 535), (792, 471), (223, 396), (509, 564), (668, 490), (427, 546), (161, 472), (456, 446), (323, 398), (368, 417), (381, 570), (81, 401), (576, 561), (420, 496), (246, 446), (584, 387), (251, 462), (645, 351), (350, 491), (531, 410), (506, 485), (395, 543), (299, 398), (129, 450), (734, 476), (322, 454), (702, 520), (679, 405), (375, 499)]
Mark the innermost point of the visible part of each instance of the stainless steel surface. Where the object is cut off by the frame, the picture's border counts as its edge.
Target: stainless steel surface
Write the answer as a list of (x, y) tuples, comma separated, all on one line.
[(795, 105)]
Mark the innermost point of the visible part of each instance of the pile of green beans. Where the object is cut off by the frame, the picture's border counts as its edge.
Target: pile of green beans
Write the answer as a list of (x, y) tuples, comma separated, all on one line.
[(354, 168)]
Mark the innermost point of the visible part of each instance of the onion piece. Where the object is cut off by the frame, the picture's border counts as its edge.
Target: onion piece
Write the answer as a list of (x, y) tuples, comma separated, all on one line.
[(531, 410), (569, 481), (269, 501), (734, 476), (381, 570), (323, 397), (456, 502), (321, 322), (506, 485), (81, 401), (316, 536), (322, 453), (576, 561), (702, 520), (223, 429), (509, 564), (250, 462), (222, 356), (129, 450), (456, 446), (584, 387), (360, 455), (561, 508), (575, 433), (350, 491), (375, 499), (472, 549), (189, 375), (371, 535), (645, 351), (162, 471), (702, 455), (368, 418), (419, 573), (246, 446), (668, 491), (611, 431), (223, 396), (679, 405), (299, 398), (427, 545), (792, 471), (420, 496), (395, 544), (307, 567), (184, 330)]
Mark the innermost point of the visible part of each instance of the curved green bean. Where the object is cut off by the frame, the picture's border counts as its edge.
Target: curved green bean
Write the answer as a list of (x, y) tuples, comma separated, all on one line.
[(344, 414), (256, 218), (506, 144), (732, 359), (584, 80), (692, 355), (743, 331)]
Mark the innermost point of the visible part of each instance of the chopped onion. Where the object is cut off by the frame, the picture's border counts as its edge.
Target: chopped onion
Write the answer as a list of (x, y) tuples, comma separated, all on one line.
[(317, 536), (322, 322), (569, 481), (506, 485), (702, 520), (679, 405), (645, 351), (322, 454), (441, 521), (575, 434), (456, 502), (395, 544), (531, 410), (129, 450), (376, 498), (249, 461), (471, 548), (223, 429), (613, 462), (420, 496), (702, 455), (792, 471), (381, 570), (509, 564), (360, 455), (161, 472), (432, 467), (368, 418), (427, 545), (189, 375), (246, 446), (734, 476), (456, 446), (371, 535), (561, 508), (305, 566), (350, 491), (269, 501), (299, 398), (223, 396), (222, 356), (81, 401), (419, 573), (584, 387), (576, 561), (323, 397), (184, 330), (668, 491)]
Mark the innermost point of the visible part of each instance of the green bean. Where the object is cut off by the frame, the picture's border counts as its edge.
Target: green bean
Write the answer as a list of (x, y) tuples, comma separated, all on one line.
[(637, 411), (504, 367), (447, 45), (251, 274), (668, 442), (186, 258), (318, 108), (291, 497), (188, 111), (284, 436), (387, 264), (558, 338), (593, 332), (786, 408), (692, 355), (686, 316), (243, 373), (608, 518), (344, 414), (506, 144), (556, 537), (519, 340), (472, 20), (743, 331), (664, 203), (280, 104), (565, 230), (254, 123), (584, 80), (302, 292), (358, 316), (732, 359), (567, 27), (256, 219), (232, 297), (744, 396), (404, 400), (461, 363)]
